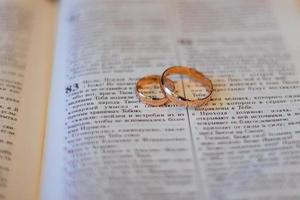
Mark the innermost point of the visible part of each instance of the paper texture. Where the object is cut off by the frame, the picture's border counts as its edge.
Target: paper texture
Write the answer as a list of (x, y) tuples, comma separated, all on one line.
[(15, 21), (25, 61), (107, 145)]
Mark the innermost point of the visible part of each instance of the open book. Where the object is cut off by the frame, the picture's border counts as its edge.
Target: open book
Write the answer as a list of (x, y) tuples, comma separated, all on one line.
[(72, 128)]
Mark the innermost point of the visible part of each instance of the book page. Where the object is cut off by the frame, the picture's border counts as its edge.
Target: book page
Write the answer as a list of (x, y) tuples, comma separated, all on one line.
[(25, 62), (103, 143)]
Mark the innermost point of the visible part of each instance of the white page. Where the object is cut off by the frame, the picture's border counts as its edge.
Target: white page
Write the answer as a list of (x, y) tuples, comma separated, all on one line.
[(25, 62), (102, 143)]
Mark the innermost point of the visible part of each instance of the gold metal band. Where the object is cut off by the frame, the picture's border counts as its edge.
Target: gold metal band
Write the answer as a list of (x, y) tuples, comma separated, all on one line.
[(183, 101), (140, 85)]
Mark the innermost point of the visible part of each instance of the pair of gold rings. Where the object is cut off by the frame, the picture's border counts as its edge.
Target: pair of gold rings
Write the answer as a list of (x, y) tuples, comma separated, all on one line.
[(168, 89)]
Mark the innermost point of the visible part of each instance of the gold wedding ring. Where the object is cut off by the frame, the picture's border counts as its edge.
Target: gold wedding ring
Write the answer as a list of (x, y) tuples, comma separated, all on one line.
[(190, 72), (168, 89), (143, 83)]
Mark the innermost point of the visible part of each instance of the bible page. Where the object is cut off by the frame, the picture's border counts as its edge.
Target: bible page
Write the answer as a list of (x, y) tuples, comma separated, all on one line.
[(25, 62), (103, 143)]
